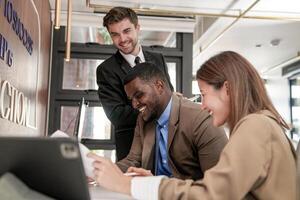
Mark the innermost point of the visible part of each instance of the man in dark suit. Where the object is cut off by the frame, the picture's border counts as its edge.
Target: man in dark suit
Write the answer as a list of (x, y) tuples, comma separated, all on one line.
[(173, 136), (122, 24)]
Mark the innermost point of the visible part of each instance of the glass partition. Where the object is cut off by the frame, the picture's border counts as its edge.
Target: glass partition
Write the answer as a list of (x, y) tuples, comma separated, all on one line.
[(295, 108), (95, 124), (110, 154), (172, 72), (80, 74)]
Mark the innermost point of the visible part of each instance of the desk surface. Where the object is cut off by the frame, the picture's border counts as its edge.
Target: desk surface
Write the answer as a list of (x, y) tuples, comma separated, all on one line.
[(99, 193)]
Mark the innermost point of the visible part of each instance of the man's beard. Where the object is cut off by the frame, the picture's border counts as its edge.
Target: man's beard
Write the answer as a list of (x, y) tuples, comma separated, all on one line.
[(134, 46)]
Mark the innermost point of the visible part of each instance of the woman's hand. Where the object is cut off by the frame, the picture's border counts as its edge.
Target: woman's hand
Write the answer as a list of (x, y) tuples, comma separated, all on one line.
[(109, 176)]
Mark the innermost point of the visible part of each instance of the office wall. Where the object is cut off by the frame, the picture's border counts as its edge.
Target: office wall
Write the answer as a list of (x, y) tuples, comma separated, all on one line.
[(25, 29)]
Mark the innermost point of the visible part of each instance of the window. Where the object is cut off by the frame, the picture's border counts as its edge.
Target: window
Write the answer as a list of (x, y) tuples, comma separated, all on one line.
[(295, 107), (80, 74), (95, 124), (172, 72)]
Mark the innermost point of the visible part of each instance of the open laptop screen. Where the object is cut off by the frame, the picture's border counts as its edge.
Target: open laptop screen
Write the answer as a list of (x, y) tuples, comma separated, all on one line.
[(80, 119), (51, 166)]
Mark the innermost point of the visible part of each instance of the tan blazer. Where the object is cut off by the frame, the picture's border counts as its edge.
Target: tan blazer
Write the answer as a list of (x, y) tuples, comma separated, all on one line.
[(257, 163), (194, 145)]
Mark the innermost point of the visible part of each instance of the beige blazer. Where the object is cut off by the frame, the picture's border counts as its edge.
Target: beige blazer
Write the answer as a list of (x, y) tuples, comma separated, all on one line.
[(194, 145), (257, 163)]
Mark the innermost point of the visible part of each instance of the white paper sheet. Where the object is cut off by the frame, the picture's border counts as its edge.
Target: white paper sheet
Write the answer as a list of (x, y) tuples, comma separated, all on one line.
[(87, 162)]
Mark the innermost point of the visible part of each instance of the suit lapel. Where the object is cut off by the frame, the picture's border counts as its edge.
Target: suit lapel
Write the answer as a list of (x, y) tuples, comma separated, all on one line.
[(149, 146), (123, 63), (173, 125), (149, 58), (174, 118)]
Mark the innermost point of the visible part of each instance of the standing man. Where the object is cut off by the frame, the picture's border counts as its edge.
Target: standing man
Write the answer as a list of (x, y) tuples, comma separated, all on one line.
[(123, 27)]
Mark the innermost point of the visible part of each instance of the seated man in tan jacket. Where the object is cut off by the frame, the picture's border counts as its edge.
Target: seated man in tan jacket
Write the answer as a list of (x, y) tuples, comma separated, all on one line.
[(173, 136)]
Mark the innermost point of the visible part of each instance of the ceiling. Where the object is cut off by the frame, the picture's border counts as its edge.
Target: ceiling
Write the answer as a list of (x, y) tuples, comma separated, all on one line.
[(268, 33)]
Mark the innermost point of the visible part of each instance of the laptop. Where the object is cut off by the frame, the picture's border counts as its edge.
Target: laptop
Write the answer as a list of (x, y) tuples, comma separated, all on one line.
[(51, 166), (78, 129)]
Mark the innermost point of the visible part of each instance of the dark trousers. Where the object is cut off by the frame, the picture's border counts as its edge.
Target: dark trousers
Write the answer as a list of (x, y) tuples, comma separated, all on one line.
[(123, 140)]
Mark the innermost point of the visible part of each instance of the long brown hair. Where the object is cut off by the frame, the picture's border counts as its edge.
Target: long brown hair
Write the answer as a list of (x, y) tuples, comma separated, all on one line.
[(247, 91)]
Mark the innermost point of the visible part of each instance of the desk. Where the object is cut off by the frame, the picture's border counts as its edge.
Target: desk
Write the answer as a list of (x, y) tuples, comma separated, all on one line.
[(99, 193)]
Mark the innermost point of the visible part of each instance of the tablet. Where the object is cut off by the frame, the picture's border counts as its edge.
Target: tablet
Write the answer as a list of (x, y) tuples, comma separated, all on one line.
[(52, 166)]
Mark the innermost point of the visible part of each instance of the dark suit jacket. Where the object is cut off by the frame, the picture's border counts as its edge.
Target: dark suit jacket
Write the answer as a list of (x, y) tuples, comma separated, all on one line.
[(118, 109), (194, 144)]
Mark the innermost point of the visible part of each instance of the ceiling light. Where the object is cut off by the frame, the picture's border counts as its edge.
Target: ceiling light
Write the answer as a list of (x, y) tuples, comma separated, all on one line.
[(275, 42)]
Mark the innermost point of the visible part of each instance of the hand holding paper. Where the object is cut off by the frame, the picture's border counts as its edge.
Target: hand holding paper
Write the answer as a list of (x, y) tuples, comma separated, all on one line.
[(87, 162)]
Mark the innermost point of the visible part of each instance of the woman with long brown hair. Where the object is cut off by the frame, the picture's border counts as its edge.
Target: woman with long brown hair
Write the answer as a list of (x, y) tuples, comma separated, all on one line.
[(245, 88), (257, 163)]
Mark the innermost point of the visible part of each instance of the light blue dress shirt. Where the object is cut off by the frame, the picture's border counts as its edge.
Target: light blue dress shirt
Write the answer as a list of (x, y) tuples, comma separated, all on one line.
[(161, 143)]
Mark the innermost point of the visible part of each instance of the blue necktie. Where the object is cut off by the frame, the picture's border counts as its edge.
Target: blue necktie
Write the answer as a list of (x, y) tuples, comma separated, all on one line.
[(162, 165)]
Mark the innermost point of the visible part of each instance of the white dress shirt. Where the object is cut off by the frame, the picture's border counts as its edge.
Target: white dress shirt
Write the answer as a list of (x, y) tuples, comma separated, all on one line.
[(145, 188), (130, 58)]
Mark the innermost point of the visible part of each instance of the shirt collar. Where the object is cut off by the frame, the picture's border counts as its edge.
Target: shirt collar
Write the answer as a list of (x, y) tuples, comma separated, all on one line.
[(130, 58), (164, 117)]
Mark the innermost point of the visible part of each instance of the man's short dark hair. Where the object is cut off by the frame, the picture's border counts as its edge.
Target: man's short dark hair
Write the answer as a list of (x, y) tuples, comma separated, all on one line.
[(146, 72), (117, 14)]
